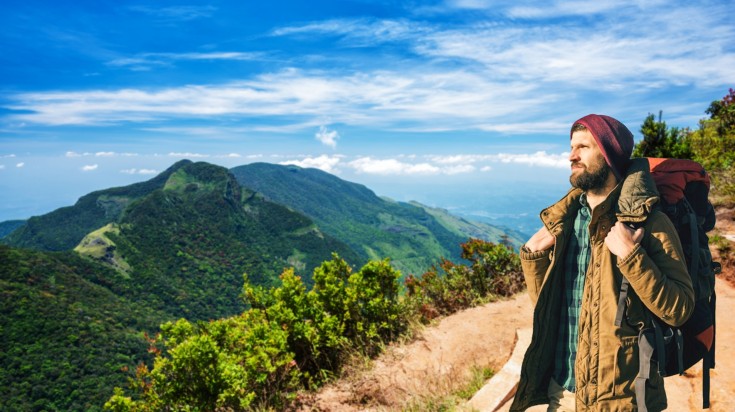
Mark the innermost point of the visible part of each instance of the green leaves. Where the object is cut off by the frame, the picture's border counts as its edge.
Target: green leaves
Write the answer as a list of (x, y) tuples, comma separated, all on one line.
[(494, 270), (290, 339)]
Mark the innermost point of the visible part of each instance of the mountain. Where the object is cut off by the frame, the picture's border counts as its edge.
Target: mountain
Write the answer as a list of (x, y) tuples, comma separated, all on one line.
[(64, 228), (183, 240), (73, 323), (7, 227), (413, 236), (67, 337)]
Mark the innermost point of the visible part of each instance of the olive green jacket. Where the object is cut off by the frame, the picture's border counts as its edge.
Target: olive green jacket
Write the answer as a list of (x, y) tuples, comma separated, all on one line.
[(607, 356)]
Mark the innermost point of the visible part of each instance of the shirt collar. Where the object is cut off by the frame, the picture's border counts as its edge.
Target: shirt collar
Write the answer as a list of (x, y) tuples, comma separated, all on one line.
[(583, 200)]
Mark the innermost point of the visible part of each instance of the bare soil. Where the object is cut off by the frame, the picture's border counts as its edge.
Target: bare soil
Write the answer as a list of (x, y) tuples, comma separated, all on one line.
[(441, 359)]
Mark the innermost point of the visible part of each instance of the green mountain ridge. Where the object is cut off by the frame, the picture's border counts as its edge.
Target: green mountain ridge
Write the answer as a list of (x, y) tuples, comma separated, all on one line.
[(64, 228), (414, 236)]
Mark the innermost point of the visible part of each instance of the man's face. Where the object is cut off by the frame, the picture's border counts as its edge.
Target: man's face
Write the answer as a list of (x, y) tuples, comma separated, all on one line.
[(589, 169)]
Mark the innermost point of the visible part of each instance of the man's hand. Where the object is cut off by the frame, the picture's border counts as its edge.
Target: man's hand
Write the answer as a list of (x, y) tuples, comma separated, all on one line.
[(541, 240), (622, 240)]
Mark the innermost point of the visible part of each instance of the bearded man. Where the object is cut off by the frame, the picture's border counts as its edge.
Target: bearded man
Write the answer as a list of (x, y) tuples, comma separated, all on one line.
[(578, 359)]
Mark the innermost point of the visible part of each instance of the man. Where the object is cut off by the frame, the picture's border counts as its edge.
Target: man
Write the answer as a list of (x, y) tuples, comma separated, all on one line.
[(578, 359)]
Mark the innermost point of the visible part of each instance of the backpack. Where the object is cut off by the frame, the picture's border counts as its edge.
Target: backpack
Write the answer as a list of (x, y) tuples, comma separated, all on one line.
[(683, 186)]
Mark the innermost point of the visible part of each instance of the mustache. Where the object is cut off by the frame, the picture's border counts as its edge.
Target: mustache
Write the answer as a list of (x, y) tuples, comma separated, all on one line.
[(573, 164)]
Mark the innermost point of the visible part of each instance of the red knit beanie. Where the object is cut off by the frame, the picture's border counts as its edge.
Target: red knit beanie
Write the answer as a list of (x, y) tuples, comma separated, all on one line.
[(614, 139)]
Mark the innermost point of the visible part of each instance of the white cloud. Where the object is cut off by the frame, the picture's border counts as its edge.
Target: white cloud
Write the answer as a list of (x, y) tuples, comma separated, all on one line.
[(104, 154), (486, 168), (187, 154), (7, 155), (498, 75), (146, 61), (233, 155), (73, 154), (458, 169), (134, 171), (540, 158), (176, 13), (323, 162), (19, 165), (327, 137), (89, 168), (369, 165)]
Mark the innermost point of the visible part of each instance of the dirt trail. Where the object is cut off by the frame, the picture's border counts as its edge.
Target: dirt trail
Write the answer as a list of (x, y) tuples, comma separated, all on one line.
[(442, 358)]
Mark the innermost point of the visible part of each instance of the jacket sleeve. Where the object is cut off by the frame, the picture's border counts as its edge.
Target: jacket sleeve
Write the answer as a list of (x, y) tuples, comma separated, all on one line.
[(535, 265), (657, 271)]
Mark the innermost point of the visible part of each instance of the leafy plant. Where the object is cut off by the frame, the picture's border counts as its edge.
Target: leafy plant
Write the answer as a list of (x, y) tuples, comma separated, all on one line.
[(494, 270)]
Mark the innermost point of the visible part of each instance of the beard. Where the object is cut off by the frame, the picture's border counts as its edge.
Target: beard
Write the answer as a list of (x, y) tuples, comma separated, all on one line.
[(591, 177)]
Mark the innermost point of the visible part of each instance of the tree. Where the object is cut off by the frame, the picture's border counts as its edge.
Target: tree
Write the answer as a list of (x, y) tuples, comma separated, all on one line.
[(660, 141), (714, 145)]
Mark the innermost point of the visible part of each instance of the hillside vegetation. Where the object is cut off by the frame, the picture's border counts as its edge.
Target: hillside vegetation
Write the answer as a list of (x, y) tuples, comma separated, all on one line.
[(412, 235), (66, 337), (74, 322)]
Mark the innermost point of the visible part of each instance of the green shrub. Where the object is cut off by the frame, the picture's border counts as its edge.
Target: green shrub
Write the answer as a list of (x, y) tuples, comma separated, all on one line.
[(494, 270)]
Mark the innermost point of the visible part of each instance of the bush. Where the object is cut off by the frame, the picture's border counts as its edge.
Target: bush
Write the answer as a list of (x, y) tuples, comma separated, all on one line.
[(289, 339), (494, 270)]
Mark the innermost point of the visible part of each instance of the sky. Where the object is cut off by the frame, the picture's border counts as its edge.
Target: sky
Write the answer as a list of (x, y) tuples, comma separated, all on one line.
[(447, 102)]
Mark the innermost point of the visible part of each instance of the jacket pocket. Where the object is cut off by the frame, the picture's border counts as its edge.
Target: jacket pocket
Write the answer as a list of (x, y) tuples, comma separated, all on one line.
[(626, 367)]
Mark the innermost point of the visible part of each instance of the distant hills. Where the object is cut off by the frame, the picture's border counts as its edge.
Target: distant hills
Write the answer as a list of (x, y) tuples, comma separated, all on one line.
[(82, 285), (8, 226), (185, 238), (412, 235)]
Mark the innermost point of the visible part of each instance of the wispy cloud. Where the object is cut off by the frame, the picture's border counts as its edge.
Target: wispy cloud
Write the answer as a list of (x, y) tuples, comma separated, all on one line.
[(89, 168), (496, 76), (187, 154), (360, 32), (135, 171), (99, 154), (176, 13), (323, 162), (537, 159), (327, 137), (147, 61)]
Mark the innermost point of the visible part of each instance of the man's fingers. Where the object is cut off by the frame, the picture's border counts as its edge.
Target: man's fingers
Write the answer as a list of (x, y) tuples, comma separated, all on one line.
[(638, 235)]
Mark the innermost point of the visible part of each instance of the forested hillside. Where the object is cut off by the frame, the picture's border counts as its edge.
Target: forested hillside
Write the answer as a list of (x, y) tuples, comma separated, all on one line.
[(413, 236), (67, 336), (65, 227)]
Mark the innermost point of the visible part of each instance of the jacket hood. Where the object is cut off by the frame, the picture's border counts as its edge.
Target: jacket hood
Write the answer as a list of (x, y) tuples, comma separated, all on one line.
[(638, 194)]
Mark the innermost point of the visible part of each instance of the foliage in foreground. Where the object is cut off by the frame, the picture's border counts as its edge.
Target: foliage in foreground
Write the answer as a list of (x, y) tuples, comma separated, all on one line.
[(494, 270), (292, 339)]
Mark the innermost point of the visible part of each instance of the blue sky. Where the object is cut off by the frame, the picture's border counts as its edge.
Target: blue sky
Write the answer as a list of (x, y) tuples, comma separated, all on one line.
[(458, 97)]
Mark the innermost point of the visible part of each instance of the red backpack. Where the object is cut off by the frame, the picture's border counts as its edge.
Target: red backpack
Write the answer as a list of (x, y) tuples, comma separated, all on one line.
[(683, 186)]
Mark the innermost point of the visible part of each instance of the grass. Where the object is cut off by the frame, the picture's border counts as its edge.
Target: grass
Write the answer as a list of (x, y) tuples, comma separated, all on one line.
[(455, 395)]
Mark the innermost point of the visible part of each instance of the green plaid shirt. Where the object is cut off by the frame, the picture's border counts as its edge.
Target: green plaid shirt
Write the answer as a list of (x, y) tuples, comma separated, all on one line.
[(576, 260)]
